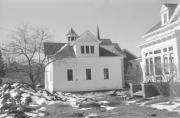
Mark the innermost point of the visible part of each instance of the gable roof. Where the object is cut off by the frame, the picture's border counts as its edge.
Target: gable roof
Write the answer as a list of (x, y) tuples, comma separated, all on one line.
[(171, 10), (87, 36)]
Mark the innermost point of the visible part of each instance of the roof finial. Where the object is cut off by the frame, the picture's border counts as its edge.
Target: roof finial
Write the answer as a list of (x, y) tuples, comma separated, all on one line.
[(98, 34)]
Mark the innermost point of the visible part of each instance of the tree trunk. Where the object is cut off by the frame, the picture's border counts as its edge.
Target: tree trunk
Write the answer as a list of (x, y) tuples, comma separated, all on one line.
[(32, 81)]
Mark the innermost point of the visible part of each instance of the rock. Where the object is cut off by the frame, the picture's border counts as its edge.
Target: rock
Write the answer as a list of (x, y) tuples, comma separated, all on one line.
[(152, 115), (93, 115), (42, 109), (102, 109), (77, 114)]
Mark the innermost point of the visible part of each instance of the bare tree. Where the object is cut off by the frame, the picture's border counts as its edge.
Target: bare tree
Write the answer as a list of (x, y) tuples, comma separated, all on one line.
[(27, 48)]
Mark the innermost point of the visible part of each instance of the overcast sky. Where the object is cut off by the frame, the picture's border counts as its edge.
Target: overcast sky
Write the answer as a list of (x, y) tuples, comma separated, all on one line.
[(123, 21)]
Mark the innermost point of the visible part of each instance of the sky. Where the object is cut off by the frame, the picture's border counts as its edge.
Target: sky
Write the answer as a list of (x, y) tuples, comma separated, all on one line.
[(122, 21)]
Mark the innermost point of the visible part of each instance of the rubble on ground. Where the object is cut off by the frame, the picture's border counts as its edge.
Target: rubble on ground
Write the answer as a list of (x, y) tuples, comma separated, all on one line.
[(19, 100)]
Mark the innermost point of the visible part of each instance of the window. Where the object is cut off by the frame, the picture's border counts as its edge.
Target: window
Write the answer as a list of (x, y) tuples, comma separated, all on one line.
[(151, 66), (157, 51), (158, 67), (88, 74), (165, 50), (106, 73), (82, 49), (69, 39), (72, 38), (172, 67), (170, 48), (69, 74), (166, 69), (92, 49), (146, 54), (87, 49), (171, 58), (147, 67), (165, 18)]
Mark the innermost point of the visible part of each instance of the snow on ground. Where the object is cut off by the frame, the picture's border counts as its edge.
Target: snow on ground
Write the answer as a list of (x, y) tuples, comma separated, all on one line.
[(158, 102), (172, 106)]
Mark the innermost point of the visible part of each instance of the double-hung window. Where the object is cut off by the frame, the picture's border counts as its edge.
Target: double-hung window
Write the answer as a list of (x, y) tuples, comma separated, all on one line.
[(106, 73), (82, 49), (88, 74), (92, 49)]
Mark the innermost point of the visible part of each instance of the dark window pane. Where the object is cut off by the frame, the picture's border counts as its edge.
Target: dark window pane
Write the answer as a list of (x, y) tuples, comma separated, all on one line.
[(88, 74), (69, 39), (165, 18), (147, 67), (82, 49), (157, 51), (166, 68), (92, 49), (106, 73), (158, 67), (170, 48), (151, 66), (165, 50), (72, 38), (87, 49), (146, 54), (70, 74)]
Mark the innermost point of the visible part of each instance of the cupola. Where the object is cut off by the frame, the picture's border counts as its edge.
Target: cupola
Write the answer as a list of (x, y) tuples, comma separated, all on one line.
[(71, 35)]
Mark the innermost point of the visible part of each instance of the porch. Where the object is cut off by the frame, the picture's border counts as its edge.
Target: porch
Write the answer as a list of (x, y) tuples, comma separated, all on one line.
[(159, 65)]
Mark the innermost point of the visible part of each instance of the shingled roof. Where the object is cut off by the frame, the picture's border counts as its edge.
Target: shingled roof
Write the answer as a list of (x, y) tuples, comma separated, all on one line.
[(71, 32), (66, 51), (155, 27), (105, 42), (105, 52), (51, 48)]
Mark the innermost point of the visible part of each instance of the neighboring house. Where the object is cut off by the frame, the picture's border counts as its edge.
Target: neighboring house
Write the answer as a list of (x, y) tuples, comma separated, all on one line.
[(134, 71), (84, 63), (128, 56), (161, 47)]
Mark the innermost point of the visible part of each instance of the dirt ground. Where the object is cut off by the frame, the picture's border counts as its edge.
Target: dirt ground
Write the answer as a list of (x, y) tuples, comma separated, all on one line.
[(121, 111)]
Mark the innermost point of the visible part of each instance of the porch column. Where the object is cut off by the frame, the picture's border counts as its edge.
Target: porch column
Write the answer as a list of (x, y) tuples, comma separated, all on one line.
[(153, 67), (143, 66)]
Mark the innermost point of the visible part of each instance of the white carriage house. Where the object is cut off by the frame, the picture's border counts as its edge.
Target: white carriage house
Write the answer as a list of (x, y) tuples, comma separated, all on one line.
[(161, 47), (84, 63)]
